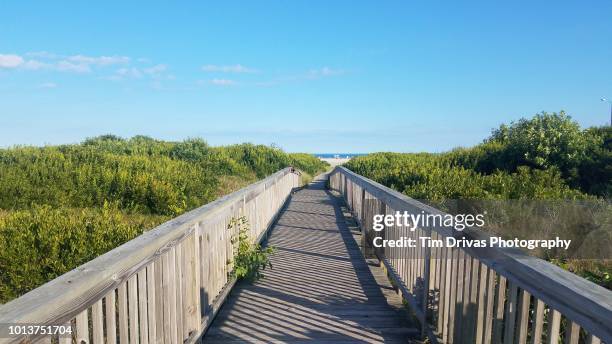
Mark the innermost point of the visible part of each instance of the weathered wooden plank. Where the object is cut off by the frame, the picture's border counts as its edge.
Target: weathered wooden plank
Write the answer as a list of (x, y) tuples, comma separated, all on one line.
[(193, 282), (470, 301), (181, 304), (110, 317), (572, 333), (475, 283), (133, 309), (488, 325), (538, 323), (510, 316), (160, 308), (143, 317), (123, 313), (443, 292), (170, 324), (498, 322), (458, 306), (554, 326), (452, 304), (82, 328), (523, 316), (151, 304), (482, 292), (97, 321), (448, 297)]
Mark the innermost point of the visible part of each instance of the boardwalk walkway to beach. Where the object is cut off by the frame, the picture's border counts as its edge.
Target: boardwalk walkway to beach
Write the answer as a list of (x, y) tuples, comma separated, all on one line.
[(320, 288), (174, 283)]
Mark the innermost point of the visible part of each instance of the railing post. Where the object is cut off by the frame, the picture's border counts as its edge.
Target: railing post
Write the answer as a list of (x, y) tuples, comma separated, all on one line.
[(425, 290), (363, 220)]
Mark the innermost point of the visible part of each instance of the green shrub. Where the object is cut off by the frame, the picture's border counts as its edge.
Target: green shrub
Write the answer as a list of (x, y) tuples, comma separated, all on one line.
[(249, 258), (41, 243), (61, 206), (547, 141)]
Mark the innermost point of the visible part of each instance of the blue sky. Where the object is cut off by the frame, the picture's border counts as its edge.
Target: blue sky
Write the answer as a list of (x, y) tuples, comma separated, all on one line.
[(313, 76)]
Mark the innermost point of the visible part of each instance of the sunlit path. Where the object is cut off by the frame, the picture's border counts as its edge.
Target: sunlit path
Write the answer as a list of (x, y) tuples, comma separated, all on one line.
[(320, 289)]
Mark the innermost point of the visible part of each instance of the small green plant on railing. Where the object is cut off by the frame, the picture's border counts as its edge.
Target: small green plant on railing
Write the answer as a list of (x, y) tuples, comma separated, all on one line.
[(249, 258)]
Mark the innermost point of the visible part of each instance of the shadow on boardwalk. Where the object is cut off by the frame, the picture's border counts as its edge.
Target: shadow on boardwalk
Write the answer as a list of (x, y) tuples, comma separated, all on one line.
[(320, 288)]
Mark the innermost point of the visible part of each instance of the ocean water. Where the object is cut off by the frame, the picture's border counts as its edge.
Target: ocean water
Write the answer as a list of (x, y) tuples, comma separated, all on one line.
[(337, 155)]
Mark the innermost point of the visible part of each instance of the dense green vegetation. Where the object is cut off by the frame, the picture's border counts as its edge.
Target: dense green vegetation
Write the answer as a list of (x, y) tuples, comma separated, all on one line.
[(61, 206), (249, 259), (547, 157)]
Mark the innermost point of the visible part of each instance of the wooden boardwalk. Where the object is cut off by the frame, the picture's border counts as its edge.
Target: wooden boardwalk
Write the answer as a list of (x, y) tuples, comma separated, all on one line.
[(167, 284), (320, 289)]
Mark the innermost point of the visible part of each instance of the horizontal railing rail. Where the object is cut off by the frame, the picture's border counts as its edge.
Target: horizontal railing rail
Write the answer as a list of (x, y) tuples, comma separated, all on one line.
[(161, 287), (490, 295)]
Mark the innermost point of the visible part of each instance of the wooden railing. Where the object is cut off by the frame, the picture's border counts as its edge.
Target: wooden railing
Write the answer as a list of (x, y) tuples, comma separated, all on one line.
[(162, 287), (477, 295)]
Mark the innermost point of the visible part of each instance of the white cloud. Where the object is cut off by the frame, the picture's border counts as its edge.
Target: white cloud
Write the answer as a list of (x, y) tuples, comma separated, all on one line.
[(98, 60), (157, 69), (223, 82), (47, 85), (10, 61), (43, 54), (34, 65), (67, 66), (324, 72), (45, 60), (129, 72), (229, 69), (154, 72)]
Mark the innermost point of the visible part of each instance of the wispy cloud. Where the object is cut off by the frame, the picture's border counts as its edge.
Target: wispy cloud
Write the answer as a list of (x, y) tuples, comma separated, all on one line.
[(323, 72), (238, 68), (34, 65), (47, 85), (223, 82), (10, 61), (121, 68), (157, 69), (67, 66), (157, 72), (49, 61), (42, 54), (98, 60)]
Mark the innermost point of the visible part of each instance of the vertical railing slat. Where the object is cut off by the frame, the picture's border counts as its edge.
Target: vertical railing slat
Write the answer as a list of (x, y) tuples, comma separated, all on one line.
[(554, 325), (143, 316), (82, 328), (538, 323), (488, 325), (480, 317), (523, 316), (133, 309), (572, 332), (110, 317), (151, 304), (97, 320), (498, 323), (159, 300), (123, 313), (510, 316)]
